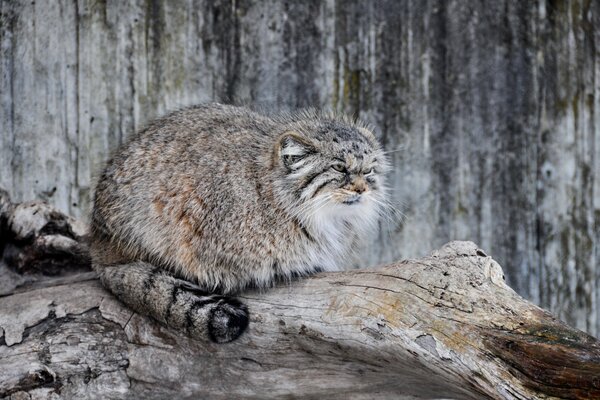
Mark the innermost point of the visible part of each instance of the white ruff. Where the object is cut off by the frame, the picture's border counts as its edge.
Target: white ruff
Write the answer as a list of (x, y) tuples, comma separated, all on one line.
[(337, 228)]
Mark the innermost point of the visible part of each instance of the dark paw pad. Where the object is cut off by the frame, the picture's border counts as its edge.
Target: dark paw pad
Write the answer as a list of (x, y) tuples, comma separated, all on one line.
[(228, 320)]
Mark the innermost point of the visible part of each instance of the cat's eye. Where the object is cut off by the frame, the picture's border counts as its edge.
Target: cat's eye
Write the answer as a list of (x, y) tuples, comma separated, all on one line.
[(369, 172), (292, 159), (339, 167)]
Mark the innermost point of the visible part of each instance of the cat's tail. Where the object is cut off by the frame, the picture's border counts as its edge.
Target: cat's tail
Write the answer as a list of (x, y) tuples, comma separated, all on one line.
[(174, 302)]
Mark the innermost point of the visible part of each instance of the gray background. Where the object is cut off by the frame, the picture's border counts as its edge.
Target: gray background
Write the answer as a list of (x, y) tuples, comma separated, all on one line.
[(495, 107)]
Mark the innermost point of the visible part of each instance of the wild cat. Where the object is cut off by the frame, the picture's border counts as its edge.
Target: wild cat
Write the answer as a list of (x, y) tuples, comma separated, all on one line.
[(213, 199)]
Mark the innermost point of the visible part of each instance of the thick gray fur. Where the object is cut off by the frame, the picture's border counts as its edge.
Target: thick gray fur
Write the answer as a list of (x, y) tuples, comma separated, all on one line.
[(213, 199)]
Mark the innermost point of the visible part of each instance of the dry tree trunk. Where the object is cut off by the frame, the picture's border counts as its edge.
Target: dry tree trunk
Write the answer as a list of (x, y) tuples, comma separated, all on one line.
[(444, 326)]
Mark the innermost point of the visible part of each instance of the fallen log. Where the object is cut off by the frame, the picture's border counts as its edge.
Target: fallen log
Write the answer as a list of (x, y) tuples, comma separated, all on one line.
[(443, 326)]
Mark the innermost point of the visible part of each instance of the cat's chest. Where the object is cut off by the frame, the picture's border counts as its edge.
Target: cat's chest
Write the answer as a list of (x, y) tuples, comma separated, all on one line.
[(331, 246)]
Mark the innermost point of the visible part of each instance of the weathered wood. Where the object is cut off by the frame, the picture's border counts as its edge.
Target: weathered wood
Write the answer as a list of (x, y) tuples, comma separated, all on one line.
[(446, 326), (37, 240), (496, 104)]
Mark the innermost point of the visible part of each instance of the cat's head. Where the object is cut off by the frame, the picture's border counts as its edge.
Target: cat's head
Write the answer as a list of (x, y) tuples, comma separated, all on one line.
[(332, 168)]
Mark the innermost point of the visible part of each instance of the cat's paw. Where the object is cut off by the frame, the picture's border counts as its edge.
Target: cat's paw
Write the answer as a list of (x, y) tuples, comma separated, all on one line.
[(228, 320)]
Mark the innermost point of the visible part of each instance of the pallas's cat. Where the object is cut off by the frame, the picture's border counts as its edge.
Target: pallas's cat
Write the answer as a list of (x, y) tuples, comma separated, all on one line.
[(213, 199)]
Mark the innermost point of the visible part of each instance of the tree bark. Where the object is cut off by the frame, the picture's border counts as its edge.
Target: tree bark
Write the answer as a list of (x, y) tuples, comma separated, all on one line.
[(443, 326)]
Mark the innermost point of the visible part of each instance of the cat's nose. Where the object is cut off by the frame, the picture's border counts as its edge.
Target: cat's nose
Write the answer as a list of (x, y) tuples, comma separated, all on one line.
[(359, 186)]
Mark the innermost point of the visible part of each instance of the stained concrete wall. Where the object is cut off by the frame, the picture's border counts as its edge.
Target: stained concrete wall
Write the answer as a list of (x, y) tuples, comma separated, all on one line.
[(491, 110)]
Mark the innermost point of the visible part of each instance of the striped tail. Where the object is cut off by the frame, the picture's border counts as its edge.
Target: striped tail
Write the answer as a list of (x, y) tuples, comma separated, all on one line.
[(174, 302)]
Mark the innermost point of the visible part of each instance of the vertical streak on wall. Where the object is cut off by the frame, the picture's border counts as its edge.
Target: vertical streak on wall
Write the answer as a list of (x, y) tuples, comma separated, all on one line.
[(594, 16), (567, 226), (22, 51), (584, 212), (8, 18)]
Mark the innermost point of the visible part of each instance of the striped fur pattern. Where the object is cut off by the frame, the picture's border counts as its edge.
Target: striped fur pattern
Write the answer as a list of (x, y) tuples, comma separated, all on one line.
[(213, 199)]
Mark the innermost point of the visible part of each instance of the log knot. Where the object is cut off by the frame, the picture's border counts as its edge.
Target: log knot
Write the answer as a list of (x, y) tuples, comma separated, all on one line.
[(490, 269), (459, 248)]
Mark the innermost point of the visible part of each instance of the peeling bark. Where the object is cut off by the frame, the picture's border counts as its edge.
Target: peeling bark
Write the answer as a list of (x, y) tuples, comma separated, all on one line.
[(443, 326)]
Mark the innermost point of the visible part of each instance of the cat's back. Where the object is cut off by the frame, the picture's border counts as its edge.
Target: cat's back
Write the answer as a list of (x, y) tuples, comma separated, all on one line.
[(211, 129), (194, 170), (194, 141)]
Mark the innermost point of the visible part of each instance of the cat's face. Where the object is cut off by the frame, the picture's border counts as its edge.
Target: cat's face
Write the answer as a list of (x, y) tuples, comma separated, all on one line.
[(335, 170)]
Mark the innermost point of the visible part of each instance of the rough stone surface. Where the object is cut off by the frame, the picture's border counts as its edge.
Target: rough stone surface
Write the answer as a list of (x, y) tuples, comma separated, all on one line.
[(490, 110)]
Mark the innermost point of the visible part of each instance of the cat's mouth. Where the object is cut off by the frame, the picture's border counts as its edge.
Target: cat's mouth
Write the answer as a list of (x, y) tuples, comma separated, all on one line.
[(353, 199)]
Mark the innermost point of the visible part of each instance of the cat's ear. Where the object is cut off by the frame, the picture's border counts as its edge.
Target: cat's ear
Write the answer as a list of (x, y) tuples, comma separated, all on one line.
[(367, 133), (293, 148)]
